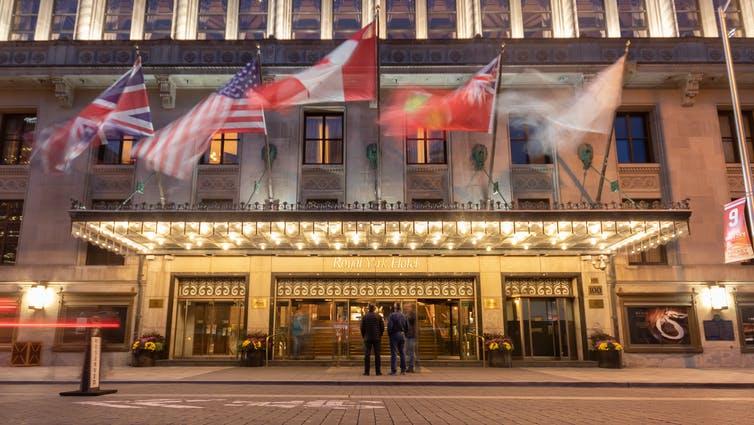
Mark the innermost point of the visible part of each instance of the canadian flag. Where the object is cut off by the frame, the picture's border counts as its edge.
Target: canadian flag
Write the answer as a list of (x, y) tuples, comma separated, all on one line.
[(348, 73)]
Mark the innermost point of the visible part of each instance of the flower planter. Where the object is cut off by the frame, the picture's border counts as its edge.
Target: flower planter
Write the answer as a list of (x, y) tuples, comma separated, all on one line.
[(143, 360), (499, 358), (253, 358), (609, 359)]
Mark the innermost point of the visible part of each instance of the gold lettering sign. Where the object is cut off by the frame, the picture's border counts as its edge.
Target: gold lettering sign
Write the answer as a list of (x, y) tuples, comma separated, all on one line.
[(491, 303), (595, 290), (600, 303), (259, 303), (156, 302), (384, 263)]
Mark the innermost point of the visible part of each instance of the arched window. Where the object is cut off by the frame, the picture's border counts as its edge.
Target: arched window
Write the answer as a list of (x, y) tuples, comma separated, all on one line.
[(252, 19), (441, 18), (537, 18), (307, 19), (158, 22), (346, 18), (401, 19), (118, 20), (591, 15), (212, 19), (63, 25), (496, 18)]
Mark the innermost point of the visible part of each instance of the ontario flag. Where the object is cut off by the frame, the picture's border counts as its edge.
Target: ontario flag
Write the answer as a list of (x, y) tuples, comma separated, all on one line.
[(467, 108), (122, 109), (347, 74)]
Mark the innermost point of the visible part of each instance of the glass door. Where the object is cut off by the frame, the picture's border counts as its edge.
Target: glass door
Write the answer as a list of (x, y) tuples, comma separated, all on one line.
[(543, 327), (438, 328), (209, 328)]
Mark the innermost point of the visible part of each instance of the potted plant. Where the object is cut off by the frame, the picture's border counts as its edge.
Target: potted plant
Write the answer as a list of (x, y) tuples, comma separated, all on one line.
[(253, 349), (145, 350), (609, 353), (499, 350)]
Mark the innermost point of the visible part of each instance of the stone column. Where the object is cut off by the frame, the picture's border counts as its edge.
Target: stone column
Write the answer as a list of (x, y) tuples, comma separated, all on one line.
[(283, 19), (465, 19), (517, 23), (747, 10), (611, 18), (137, 19), (231, 20), (421, 19), (563, 23), (185, 19), (326, 20), (44, 20), (6, 10), (709, 18), (661, 18)]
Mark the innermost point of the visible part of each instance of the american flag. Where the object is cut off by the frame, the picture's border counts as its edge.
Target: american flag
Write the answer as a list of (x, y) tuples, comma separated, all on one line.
[(175, 149), (122, 109)]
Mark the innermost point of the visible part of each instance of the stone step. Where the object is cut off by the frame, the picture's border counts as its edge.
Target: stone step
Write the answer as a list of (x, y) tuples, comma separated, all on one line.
[(554, 363)]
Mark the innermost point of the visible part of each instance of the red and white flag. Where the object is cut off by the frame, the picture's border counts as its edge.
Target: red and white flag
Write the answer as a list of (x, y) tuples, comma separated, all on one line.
[(347, 74)]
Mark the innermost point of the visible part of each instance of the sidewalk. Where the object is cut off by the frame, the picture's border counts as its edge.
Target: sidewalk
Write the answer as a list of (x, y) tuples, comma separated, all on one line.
[(438, 376)]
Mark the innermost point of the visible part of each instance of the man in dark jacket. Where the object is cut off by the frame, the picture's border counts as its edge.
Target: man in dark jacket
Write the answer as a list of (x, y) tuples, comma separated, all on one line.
[(372, 328), (396, 330)]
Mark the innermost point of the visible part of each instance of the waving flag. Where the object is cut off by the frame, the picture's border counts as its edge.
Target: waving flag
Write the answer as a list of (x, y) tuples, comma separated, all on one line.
[(348, 73), (122, 109), (175, 149)]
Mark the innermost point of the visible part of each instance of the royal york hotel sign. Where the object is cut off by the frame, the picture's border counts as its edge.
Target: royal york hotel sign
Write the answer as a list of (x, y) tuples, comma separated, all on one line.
[(376, 263)]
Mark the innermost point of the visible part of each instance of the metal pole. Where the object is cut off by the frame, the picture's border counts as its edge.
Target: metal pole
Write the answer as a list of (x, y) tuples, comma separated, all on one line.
[(740, 136), (270, 193), (378, 170), (490, 182)]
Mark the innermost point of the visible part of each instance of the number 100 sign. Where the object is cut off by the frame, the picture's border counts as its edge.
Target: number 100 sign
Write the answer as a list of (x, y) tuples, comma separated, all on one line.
[(737, 240)]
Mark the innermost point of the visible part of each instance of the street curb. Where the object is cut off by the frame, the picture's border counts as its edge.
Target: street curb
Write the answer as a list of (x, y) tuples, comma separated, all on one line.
[(502, 384)]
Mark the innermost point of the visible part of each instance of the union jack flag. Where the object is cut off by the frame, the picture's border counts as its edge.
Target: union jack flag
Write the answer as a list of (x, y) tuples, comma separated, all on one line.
[(122, 109)]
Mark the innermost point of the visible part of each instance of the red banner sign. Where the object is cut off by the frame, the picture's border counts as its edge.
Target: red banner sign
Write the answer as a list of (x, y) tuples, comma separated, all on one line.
[(737, 242)]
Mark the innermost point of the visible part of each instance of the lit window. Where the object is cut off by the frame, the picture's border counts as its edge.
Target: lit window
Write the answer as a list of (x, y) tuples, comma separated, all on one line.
[(745, 304), (307, 17), (401, 19), (212, 17), (591, 15), (346, 18), (223, 150), (426, 147), (496, 18), (526, 148), (16, 142), (116, 151), (632, 15), (689, 18), (728, 132), (24, 20), (323, 139), (632, 137), (252, 20), (733, 16), (63, 25), (537, 18), (11, 215), (118, 19), (87, 309), (441, 18), (158, 22)]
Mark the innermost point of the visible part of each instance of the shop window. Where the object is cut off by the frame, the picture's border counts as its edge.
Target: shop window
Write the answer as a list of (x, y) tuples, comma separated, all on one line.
[(632, 16), (158, 22), (441, 19), (401, 19), (17, 138), (745, 307), (306, 19), (212, 19), (346, 18), (591, 17), (633, 138), (526, 148), (81, 309), (660, 324), (496, 18), (9, 313), (223, 150), (533, 203), (63, 26), (537, 18), (728, 135), (734, 18), (116, 152), (323, 138), (426, 147), (11, 215), (118, 16), (688, 18), (252, 19), (96, 256), (24, 20)]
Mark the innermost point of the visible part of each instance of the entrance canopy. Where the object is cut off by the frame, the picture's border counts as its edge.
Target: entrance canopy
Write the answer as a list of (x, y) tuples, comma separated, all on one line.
[(255, 230)]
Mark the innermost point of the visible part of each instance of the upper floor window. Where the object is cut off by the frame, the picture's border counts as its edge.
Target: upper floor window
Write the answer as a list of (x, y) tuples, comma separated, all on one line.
[(96, 256), (212, 19), (441, 18), (632, 137), (728, 134), (323, 138), (24, 19), (306, 19), (591, 16), (426, 147), (496, 18), (632, 15), (733, 16), (16, 142), (158, 22), (401, 19), (118, 14), (252, 20), (525, 147), (346, 18), (63, 26), (689, 18), (537, 18), (116, 152), (11, 214), (223, 150)]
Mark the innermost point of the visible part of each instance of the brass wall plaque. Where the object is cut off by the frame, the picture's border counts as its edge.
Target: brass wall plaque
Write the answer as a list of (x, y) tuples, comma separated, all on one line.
[(600, 303), (156, 302), (595, 290), (259, 303), (491, 303)]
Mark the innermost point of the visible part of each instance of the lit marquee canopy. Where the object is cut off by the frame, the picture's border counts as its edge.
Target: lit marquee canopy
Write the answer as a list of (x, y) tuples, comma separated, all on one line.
[(191, 232)]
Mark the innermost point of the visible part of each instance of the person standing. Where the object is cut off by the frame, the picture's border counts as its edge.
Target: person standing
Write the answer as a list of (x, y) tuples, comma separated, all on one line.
[(396, 331), (411, 339), (298, 331), (372, 328)]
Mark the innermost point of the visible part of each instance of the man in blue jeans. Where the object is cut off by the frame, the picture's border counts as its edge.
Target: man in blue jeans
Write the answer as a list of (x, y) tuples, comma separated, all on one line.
[(396, 330)]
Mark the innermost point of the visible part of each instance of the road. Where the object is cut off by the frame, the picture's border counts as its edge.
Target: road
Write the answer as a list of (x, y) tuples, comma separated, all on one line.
[(217, 404)]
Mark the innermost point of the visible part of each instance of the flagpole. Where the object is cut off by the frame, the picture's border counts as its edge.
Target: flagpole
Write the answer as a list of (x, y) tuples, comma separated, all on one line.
[(378, 171), (270, 193), (490, 182)]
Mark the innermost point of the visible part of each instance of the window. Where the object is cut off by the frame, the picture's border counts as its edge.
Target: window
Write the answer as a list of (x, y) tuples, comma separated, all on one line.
[(533, 203), (689, 18), (212, 16), (728, 134), (733, 16), (24, 21), (745, 306), (307, 16), (401, 19), (346, 18), (8, 314), (16, 142), (537, 18), (633, 139), (441, 18), (632, 15), (426, 147), (252, 20), (63, 25), (591, 16), (83, 309), (525, 147), (323, 139), (158, 22), (96, 256), (223, 150), (645, 323), (116, 152), (496, 18), (118, 20), (11, 215)]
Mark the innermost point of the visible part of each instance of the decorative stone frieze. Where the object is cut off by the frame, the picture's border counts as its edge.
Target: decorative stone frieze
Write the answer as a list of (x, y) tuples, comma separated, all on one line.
[(427, 182), (211, 286), (13, 181), (380, 287), (641, 180), (111, 181), (217, 182), (538, 287), (531, 178)]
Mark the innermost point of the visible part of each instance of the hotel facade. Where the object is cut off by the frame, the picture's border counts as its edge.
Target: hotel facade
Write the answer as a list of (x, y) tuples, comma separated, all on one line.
[(549, 254)]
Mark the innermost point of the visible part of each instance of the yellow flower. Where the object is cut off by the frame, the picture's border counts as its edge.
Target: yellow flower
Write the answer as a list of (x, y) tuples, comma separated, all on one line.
[(617, 346), (602, 346), (151, 346), (135, 345), (494, 346), (245, 343), (257, 345), (507, 346)]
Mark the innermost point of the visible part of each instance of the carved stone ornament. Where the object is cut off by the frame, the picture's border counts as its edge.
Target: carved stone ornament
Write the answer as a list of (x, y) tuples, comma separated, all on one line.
[(382, 287), (211, 287), (691, 88), (167, 91), (538, 287), (63, 91)]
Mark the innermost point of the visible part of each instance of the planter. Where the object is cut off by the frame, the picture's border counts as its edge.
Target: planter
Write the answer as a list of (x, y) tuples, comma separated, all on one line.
[(499, 358), (143, 360), (252, 358), (610, 359)]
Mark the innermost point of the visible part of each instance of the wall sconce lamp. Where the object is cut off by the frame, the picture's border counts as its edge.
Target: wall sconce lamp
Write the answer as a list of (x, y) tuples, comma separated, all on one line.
[(39, 297), (718, 297)]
